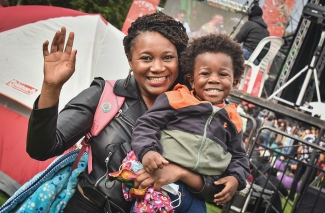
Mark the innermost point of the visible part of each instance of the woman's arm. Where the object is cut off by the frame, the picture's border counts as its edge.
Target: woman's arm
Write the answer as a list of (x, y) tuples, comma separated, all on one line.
[(59, 65), (50, 134)]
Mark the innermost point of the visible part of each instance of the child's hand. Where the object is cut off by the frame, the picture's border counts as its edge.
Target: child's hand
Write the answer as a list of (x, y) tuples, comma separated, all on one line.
[(152, 160), (231, 184)]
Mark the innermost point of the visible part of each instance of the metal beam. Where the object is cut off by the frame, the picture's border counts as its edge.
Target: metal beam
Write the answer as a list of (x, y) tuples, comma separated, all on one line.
[(277, 108)]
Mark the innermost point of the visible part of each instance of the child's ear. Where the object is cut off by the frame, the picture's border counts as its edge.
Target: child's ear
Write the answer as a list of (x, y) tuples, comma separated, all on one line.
[(235, 83), (190, 79)]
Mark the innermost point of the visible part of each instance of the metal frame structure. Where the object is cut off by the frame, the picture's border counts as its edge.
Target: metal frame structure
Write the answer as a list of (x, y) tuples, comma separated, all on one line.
[(299, 116), (293, 52)]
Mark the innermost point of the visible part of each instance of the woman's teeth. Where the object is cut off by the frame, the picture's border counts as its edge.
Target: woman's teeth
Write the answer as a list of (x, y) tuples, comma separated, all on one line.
[(157, 79)]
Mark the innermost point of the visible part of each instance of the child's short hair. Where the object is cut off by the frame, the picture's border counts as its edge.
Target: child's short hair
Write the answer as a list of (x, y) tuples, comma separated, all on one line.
[(213, 43)]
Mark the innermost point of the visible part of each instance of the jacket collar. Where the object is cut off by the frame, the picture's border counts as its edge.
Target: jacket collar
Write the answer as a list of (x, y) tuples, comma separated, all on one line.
[(131, 91)]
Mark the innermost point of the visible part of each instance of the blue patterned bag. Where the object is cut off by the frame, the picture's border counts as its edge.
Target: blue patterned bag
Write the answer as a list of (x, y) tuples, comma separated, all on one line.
[(49, 190)]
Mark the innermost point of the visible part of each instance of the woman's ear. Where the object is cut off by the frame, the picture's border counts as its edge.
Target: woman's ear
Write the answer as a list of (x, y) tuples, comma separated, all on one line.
[(190, 79), (129, 57)]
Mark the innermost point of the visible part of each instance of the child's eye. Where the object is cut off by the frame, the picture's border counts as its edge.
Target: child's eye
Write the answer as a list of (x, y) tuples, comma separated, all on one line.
[(224, 74), (168, 57)]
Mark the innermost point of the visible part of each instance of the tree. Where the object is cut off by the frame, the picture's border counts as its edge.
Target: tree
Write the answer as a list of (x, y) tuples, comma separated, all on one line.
[(114, 11)]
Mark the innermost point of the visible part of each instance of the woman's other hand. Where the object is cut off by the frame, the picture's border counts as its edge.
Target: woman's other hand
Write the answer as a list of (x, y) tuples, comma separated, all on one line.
[(231, 184), (59, 65), (168, 174)]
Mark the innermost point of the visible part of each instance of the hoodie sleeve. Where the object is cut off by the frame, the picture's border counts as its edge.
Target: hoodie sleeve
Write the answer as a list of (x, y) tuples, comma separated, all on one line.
[(146, 133)]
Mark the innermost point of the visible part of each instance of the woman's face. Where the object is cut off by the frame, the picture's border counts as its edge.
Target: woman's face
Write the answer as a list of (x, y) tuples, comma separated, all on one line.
[(154, 62)]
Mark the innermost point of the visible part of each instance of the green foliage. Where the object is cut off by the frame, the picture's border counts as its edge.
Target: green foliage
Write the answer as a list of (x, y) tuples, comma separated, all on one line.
[(114, 11), (3, 198)]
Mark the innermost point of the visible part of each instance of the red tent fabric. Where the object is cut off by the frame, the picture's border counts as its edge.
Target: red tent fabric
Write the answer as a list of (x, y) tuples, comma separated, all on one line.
[(31, 14), (14, 160)]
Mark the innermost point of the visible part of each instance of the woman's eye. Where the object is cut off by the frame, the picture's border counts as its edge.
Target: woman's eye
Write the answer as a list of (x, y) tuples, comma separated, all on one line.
[(146, 58)]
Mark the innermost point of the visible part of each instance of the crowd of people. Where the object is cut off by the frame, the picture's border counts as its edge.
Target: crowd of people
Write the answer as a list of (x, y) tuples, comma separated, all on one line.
[(271, 146)]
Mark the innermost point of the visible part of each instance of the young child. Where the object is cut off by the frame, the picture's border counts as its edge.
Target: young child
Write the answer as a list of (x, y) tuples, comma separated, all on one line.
[(198, 129)]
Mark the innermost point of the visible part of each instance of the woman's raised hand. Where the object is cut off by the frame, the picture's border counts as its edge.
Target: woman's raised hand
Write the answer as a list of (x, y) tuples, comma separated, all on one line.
[(59, 63)]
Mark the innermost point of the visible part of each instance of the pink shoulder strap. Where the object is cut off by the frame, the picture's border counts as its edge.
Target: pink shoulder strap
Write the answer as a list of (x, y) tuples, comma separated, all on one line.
[(108, 106)]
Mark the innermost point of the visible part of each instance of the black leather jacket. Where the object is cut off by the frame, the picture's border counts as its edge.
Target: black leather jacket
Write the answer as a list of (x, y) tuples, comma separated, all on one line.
[(50, 134)]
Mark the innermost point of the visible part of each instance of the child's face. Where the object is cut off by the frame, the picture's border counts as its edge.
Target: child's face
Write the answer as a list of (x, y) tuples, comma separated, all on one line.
[(213, 77)]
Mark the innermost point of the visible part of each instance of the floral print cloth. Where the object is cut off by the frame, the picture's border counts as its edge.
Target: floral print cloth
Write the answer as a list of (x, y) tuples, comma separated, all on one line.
[(146, 200)]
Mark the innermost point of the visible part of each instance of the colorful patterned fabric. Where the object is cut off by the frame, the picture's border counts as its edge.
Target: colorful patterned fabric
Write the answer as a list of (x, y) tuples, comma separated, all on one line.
[(146, 200), (49, 190)]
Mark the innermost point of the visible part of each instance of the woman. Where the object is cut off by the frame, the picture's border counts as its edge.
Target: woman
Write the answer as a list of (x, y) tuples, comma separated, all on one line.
[(152, 46)]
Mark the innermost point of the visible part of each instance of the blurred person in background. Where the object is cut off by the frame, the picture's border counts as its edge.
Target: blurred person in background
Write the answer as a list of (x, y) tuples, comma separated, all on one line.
[(215, 25), (252, 32), (181, 15)]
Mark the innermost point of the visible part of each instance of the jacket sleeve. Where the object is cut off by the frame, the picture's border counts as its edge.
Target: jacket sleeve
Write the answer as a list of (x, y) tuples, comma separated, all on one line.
[(50, 134), (242, 34), (239, 165), (209, 189), (146, 133)]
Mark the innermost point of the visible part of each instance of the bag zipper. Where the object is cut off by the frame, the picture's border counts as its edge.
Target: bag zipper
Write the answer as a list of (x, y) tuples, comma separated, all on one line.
[(106, 162)]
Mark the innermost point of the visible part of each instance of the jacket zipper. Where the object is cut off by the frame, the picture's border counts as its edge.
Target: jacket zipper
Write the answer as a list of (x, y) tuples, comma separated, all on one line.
[(106, 162), (214, 111), (110, 153), (123, 119)]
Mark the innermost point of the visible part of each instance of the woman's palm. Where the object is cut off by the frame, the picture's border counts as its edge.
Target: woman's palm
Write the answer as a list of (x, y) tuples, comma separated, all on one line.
[(59, 64)]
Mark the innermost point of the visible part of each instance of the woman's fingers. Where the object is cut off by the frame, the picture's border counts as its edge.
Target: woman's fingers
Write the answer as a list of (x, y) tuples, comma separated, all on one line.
[(62, 39), (68, 47), (55, 42), (59, 39), (143, 180), (46, 48), (72, 58)]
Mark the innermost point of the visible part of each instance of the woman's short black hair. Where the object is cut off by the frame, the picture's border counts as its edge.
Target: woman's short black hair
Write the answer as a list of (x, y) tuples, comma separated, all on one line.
[(163, 24), (213, 43)]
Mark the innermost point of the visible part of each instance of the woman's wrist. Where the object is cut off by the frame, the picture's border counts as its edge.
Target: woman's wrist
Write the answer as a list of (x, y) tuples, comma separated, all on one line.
[(49, 95), (191, 179)]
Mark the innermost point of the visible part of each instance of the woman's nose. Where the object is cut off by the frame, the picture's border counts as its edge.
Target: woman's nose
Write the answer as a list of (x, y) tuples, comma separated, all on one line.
[(157, 66)]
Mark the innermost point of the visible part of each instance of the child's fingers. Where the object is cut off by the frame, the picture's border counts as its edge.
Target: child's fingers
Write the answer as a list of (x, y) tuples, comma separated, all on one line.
[(164, 161), (158, 163)]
